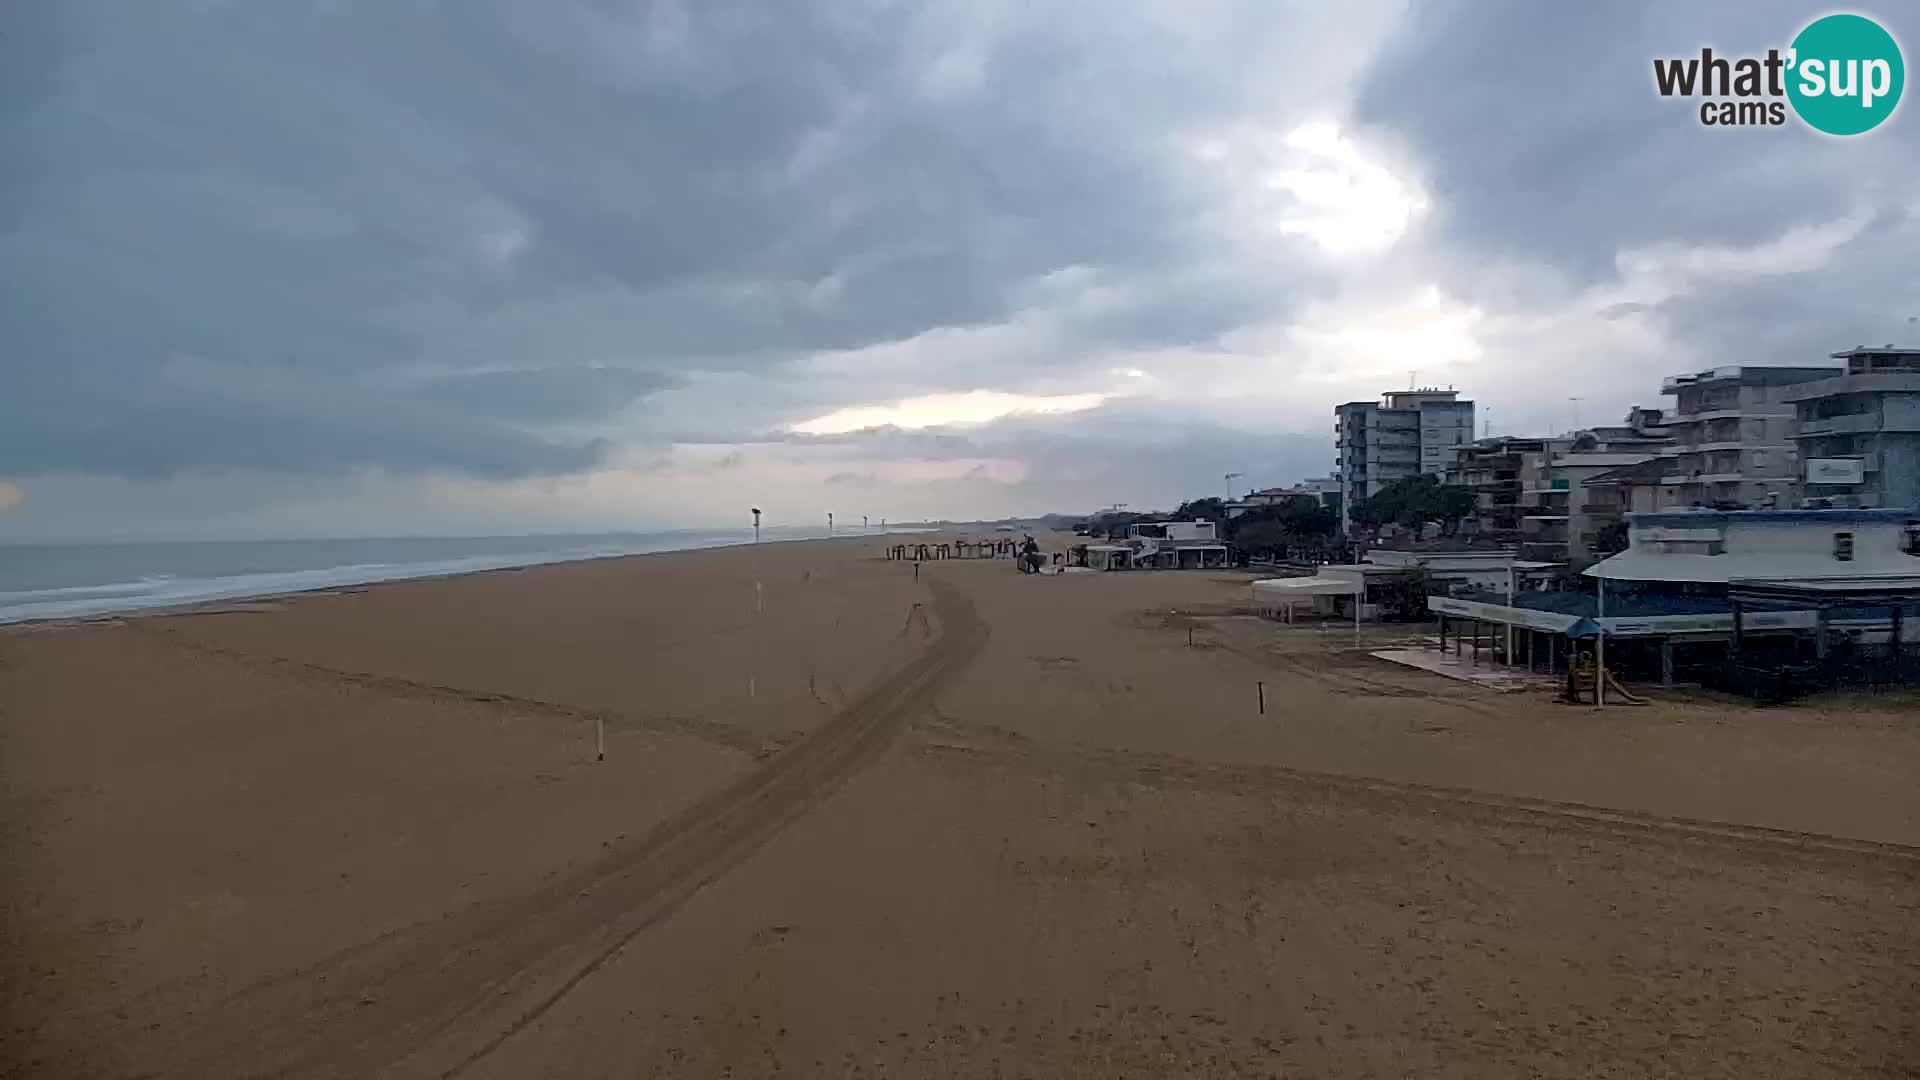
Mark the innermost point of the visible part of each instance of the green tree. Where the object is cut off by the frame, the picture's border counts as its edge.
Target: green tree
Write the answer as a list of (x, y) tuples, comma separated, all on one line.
[(1414, 501), (1301, 517), (1207, 509), (1611, 539), (1262, 536)]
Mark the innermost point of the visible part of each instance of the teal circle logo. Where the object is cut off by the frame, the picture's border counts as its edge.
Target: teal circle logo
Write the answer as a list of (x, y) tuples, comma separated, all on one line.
[(1845, 74)]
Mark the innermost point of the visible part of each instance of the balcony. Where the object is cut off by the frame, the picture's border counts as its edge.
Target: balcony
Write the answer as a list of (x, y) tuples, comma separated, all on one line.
[(1543, 551), (1850, 424), (1876, 382), (1734, 413)]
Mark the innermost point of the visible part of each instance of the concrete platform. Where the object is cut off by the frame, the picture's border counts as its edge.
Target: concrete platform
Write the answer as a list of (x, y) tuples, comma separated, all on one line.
[(1493, 677)]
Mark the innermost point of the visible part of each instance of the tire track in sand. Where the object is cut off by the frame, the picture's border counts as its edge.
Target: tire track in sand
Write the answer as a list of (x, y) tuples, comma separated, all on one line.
[(959, 742), (435, 998)]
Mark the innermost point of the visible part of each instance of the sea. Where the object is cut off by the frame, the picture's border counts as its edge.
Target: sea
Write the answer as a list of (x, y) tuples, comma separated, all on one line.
[(63, 581)]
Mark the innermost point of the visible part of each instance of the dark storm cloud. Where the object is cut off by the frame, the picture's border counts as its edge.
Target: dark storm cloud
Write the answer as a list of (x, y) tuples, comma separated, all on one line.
[(210, 416), (351, 190), (558, 394)]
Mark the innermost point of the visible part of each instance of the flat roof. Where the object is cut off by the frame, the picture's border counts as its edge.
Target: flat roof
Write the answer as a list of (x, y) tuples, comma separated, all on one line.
[(1690, 518), (1886, 588), (1875, 350), (1748, 374)]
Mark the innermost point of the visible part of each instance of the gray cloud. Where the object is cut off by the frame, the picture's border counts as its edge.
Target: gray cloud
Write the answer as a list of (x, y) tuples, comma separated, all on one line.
[(1542, 136), (515, 245), (349, 188)]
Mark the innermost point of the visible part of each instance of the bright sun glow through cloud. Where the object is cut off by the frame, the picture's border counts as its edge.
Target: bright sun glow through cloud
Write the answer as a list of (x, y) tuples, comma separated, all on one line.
[(1344, 201), (938, 410), (1316, 182)]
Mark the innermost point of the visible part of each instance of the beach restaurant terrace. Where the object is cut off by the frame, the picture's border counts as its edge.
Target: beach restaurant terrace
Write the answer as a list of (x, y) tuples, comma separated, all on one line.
[(1826, 593)]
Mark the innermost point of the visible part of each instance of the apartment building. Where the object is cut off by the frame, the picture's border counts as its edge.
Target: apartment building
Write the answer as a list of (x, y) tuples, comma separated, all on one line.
[(1324, 490), (1562, 515), (1491, 469), (1733, 430), (1531, 491), (1406, 433), (1859, 432)]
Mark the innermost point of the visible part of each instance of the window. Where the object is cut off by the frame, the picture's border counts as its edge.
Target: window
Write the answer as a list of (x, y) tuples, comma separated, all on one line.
[(1759, 459), (1843, 546), (1910, 539)]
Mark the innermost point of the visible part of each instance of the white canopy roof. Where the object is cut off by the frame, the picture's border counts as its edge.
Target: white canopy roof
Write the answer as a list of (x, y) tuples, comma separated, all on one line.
[(1281, 590)]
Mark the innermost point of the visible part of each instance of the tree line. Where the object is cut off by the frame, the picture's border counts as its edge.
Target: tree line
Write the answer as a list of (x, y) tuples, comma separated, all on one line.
[(1300, 526), (1296, 526)]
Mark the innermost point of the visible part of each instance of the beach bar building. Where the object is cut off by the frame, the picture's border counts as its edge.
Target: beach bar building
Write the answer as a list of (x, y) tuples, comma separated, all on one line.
[(1158, 545), (1388, 572), (1736, 598), (1331, 593), (1106, 556), (1176, 545)]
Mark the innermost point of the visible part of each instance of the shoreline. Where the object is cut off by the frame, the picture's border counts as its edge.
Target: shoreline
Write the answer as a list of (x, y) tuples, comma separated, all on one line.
[(200, 605)]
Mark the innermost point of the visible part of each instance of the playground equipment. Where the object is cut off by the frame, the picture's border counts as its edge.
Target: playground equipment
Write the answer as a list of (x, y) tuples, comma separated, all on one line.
[(1582, 683)]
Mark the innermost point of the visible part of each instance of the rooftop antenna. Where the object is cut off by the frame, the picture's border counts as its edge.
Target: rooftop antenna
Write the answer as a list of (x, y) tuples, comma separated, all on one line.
[(1230, 478), (1576, 414)]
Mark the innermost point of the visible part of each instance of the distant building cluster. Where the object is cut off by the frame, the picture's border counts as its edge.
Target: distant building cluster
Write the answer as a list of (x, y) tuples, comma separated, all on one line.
[(1744, 437)]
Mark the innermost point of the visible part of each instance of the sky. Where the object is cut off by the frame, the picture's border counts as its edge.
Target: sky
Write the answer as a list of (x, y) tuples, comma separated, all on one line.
[(386, 267)]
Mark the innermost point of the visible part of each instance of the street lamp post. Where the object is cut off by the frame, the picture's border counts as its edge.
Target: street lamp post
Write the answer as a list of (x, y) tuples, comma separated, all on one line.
[(1600, 646), (1510, 573)]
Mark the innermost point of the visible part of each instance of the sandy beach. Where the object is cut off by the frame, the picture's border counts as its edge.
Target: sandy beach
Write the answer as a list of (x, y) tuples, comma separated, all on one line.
[(851, 823)]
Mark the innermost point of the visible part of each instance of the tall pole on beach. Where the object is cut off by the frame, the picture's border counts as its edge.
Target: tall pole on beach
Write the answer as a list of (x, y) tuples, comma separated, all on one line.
[(1359, 600), (1600, 647), (829, 523), (1510, 572), (759, 604)]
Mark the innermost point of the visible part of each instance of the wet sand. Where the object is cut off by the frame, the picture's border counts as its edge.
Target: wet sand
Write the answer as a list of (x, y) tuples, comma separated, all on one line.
[(853, 825)]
